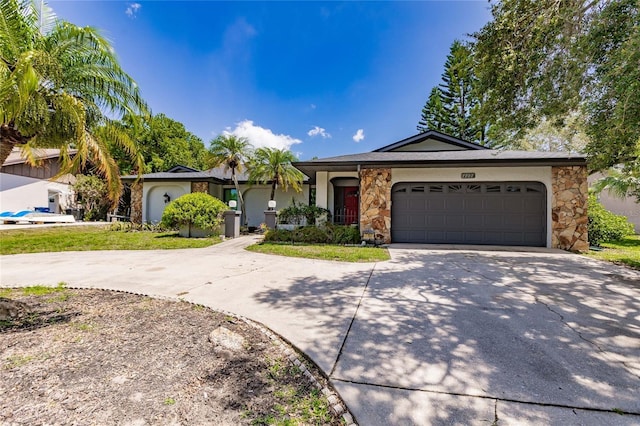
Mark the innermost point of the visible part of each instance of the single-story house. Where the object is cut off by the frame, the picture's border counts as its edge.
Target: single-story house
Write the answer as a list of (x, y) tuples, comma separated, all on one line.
[(428, 188), (151, 194), (27, 187), (434, 188)]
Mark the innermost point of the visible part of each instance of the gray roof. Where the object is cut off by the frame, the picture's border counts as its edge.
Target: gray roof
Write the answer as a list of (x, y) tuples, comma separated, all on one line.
[(431, 134), (217, 174), (481, 158)]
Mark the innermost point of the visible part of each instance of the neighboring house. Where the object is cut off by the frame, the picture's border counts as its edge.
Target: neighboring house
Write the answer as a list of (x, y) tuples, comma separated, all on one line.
[(26, 187), (154, 191), (623, 206), (434, 188)]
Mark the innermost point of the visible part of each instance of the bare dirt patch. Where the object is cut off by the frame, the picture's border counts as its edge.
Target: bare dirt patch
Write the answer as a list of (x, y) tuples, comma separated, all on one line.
[(100, 357)]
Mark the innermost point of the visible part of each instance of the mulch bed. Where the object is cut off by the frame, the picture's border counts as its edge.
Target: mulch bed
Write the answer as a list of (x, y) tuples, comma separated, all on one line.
[(101, 357)]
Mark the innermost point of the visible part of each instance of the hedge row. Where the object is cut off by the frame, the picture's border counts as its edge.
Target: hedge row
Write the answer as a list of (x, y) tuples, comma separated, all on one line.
[(605, 226), (326, 234)]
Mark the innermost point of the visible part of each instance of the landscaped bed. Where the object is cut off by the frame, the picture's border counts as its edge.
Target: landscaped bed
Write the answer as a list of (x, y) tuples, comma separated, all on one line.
[(81, 238), (323, 251), (102, 357)]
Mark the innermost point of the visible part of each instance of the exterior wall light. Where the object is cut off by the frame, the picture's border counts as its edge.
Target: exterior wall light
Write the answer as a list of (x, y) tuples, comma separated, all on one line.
[(271, 204), (233, 204), (166, 197)]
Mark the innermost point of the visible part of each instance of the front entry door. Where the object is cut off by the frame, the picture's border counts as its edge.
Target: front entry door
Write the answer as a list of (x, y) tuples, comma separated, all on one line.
[(351, 204)]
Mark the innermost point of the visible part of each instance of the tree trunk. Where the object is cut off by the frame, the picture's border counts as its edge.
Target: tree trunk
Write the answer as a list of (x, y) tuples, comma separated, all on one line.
[(9, 137), (242, 207), (273, 189)]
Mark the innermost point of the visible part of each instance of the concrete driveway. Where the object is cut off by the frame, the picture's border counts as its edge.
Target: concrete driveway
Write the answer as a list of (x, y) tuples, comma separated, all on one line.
[(431, 337)]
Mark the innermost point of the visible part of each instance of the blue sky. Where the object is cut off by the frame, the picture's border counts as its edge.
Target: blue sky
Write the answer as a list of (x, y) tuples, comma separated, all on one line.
[(320, 78)]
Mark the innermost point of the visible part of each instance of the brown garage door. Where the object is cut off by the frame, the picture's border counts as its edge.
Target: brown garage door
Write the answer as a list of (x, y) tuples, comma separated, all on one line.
[(499, 213)]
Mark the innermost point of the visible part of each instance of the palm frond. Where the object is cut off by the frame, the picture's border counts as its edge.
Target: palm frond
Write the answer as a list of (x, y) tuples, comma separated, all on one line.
[(106, 166), (270, 164)]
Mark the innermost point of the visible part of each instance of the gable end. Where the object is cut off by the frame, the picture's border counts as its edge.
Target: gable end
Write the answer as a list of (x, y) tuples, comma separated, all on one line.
[(430, 141)]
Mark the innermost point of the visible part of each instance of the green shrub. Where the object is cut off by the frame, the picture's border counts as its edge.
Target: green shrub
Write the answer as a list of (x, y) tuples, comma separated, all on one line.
[(326, 234), (137, 227), (311, 235), (341, 234), (298, 212), (92, 195), (278, 235), (605, 226), (196, 209)]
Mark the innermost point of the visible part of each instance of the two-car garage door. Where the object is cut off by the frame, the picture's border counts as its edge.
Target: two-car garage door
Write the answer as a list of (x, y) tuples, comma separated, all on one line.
[(500, 213)]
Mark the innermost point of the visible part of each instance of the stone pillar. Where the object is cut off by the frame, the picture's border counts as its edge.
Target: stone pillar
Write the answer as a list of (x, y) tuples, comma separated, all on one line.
[(375, 203), (270, 219), (136, 203), (232, 223), (569, 208), (200, 187)]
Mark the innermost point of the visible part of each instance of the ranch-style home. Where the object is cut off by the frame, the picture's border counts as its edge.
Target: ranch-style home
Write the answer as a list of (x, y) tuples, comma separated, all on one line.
[(428, 188), (434, 188), (154, 191)]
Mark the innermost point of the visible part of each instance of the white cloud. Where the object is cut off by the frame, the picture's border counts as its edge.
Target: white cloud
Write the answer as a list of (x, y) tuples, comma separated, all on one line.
[(359, 135), (319, 131), (133, 9), (261, 137)]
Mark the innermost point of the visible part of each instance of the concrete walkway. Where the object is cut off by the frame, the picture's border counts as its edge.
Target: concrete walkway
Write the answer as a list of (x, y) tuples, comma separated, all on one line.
[(433, 336)]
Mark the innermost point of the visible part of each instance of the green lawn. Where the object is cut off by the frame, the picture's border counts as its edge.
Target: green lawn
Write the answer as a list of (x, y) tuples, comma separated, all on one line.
[(83, 238), (323, 251), (625, 252)]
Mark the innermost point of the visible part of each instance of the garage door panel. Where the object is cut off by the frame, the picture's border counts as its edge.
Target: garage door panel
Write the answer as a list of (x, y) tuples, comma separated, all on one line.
[(476, 222), (416, 203), (493, 221), (418, 221), (513, 238), (514, 204), (454, 203), (507, 213), (533, 222), (454, 235), (474, 237), (492, 203), (512, 220), (435, 202), (454, 221), (474, 203), (436, 221), (532, 204)]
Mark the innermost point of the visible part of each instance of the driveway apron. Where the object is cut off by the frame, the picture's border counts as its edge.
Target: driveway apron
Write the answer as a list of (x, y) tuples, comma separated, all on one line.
[(490, 337), (430, 337)]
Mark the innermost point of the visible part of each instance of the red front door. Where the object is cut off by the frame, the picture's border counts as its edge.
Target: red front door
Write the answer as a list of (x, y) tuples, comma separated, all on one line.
[(351, 205)]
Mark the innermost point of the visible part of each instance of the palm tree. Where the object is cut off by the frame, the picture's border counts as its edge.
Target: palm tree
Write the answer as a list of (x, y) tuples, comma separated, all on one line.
[(233, 152), (270, 164), (61, 87), (620, 182)]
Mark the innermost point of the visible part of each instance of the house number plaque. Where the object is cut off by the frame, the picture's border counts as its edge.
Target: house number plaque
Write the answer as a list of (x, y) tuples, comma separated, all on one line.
[(467, 175)]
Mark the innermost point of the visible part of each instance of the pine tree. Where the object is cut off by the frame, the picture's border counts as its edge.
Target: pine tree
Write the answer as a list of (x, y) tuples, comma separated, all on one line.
[(432, 113), (452, 107)]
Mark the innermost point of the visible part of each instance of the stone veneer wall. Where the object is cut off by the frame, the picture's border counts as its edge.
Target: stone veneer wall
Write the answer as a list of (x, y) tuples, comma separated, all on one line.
[(136, 202), (375, 202), (569, 208), (200, 187)]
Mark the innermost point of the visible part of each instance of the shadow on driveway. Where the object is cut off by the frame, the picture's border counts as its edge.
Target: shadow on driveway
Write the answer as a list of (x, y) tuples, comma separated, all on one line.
[(447, 337)]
